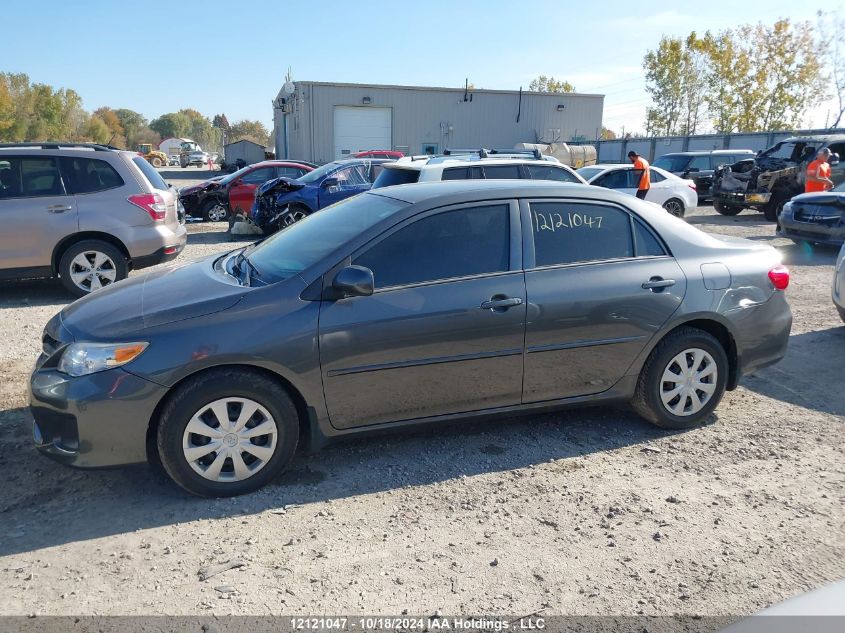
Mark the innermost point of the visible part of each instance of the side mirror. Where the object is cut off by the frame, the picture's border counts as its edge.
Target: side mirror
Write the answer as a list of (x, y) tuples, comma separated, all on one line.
[(834, 159), (329, 182), (354, 281)]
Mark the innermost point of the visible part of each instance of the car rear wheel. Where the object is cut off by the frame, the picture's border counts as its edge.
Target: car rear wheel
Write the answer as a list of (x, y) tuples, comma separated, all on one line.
[(294, 214), (773, 209), (215, 211), (90, 265), (726, 209), (683, 380), (156, 162), (227, 432), (675, 207)]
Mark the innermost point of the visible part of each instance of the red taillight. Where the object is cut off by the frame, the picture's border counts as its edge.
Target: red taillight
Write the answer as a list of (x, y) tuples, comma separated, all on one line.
[(779, 276), (152, 203)]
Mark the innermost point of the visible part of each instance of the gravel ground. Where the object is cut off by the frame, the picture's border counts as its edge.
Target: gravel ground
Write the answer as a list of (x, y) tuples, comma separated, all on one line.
[(588, 511)]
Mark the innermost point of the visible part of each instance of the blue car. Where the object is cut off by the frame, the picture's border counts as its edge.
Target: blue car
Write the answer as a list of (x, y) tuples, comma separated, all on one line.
[(283, 201)]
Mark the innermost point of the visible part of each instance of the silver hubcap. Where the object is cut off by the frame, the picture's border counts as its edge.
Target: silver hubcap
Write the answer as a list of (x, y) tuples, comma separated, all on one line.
[(673, 207), (92, 270), (688, 382), (230, 439), (292, 218), (217, 213)]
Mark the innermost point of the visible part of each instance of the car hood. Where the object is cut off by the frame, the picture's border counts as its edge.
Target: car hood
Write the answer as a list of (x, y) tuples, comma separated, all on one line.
[(174, 293), (278, 185), (821, 197)]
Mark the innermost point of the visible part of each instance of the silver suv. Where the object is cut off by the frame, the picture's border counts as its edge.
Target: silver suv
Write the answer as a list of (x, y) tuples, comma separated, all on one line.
[(85, 213)]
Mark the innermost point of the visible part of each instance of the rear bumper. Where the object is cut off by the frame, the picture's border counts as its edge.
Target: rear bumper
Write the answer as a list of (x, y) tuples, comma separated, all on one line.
[(93, 421), (167, 244), (761, 333)]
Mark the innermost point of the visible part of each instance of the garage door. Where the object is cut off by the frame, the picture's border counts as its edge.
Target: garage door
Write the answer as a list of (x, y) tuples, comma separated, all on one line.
[(359, 129)]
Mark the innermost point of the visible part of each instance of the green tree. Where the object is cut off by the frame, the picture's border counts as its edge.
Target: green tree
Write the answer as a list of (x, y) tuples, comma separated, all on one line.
[(136, 128), (607, 134), (673, 80), (542, 83), (171, 124), (250, 130), (95, 130), (112, 121)]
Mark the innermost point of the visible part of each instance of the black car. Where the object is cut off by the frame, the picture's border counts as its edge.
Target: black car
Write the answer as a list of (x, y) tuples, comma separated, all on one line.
[(699, 166), (817, 217)]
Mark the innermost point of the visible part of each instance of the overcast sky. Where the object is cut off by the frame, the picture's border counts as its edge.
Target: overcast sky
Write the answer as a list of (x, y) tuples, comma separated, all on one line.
[(158, 56)]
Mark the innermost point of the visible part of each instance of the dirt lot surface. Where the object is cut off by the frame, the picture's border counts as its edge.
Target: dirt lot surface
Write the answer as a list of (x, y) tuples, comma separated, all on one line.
[(588, 511)]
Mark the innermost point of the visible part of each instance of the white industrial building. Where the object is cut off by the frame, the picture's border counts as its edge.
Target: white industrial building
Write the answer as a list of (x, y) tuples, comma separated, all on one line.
[(320, 122)]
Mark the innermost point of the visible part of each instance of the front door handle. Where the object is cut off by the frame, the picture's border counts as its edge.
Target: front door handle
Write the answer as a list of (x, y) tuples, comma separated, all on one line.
[(502, 303), (658, 283), (59, 208)]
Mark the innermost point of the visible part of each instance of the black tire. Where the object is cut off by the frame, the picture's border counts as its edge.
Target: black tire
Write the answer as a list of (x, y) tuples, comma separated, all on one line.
[(647, 401), (212, 204), (675, 207), (841, 313), (119, 265), (294, 214), (772, 209), (726, 209), (213, 385)]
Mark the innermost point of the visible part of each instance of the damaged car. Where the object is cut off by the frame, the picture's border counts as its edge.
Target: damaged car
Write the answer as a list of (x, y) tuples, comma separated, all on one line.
[(216, 199), (817, 217), (773, 177), (284, 201)]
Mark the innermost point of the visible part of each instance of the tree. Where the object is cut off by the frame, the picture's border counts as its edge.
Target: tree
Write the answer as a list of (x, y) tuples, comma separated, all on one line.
[(673, 79), (136, 128), (550, 84), (250, 130), (112, 121), (95, 130), (171, 124), (832, 35), (221, 122), (607, 135)]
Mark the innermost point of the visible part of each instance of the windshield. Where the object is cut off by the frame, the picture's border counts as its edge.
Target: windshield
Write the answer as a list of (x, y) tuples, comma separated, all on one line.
[(588, 172), (672, 163), (303, 244), (225, 180), (320, 172)]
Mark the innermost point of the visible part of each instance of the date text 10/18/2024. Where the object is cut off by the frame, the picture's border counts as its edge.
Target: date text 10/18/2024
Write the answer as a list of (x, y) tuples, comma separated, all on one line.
[(422, 623)]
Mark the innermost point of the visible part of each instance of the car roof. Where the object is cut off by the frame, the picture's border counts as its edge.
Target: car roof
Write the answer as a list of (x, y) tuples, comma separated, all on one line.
[(825, 138), (707, 152), (464, 160), (453, 191)]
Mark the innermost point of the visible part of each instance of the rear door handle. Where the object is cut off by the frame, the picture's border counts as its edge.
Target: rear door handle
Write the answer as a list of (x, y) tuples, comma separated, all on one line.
[(658, 283), (59, 208), (504, 303)]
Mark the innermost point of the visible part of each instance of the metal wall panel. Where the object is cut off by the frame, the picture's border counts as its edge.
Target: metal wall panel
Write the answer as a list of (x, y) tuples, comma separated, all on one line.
[(439, 117)]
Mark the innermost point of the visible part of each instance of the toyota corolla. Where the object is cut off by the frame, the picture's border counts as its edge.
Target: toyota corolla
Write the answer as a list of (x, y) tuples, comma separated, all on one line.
[(412, 304)]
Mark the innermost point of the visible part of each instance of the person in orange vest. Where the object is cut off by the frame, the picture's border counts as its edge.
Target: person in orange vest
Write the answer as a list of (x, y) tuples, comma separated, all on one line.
[(641, 170), (818, 173)]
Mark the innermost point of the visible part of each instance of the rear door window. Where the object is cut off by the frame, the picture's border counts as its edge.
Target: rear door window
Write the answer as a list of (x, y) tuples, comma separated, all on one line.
[(616, 179), (549, 172), (499, 172), (655, 176), (30, 177), (89, 175), (258, 176), (456, 173), (572, 232)]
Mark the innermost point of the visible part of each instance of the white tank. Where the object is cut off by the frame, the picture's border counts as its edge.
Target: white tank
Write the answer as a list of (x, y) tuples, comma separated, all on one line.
[(575, 156)]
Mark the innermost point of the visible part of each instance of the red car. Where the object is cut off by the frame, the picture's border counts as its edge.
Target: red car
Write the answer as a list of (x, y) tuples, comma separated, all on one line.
[(377, 153), (217, 199)]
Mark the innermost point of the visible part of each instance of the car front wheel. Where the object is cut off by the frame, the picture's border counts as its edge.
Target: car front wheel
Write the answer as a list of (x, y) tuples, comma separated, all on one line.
[(683, 380), (726, 209), (215, 211), (227, 432)]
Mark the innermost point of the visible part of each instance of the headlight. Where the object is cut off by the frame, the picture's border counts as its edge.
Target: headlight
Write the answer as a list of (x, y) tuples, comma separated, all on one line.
[(80, 359)]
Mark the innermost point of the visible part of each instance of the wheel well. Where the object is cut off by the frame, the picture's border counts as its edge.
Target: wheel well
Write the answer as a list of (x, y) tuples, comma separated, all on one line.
[(75, 238), (723, 335), (298, 401), (676, 199)]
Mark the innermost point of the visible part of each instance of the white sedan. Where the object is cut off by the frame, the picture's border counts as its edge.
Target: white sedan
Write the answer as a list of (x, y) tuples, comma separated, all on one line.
[(674, 194)]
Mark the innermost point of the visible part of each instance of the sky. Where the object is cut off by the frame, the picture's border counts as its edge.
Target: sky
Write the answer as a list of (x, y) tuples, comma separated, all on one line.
[(158, 56)]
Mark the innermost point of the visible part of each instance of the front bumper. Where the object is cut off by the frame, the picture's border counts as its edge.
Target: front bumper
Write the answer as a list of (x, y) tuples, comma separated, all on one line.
[(830, 232), (93, 421), (741, 198)]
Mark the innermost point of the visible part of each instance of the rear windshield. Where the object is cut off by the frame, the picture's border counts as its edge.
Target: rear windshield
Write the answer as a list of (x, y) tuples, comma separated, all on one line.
[(301, 245), (389, 177), (672, 163), (152, 175)]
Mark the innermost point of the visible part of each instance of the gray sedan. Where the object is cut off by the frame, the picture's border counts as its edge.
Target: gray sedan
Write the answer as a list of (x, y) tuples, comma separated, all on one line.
[(414, 304)]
